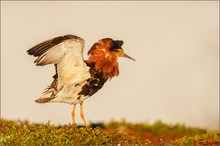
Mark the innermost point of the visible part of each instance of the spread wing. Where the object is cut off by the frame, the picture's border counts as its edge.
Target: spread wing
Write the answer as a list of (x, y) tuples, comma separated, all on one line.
[(54, 50), (66, 52)]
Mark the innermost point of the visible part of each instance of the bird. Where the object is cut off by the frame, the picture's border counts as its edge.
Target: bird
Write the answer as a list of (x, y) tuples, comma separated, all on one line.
[(77, 79)]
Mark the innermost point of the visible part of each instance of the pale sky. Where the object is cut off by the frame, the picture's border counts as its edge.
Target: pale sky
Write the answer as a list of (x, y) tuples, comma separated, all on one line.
[(175, 77)]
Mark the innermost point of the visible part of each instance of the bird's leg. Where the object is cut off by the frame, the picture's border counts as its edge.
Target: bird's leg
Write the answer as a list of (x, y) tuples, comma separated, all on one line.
[(73, 115), (82, 115)]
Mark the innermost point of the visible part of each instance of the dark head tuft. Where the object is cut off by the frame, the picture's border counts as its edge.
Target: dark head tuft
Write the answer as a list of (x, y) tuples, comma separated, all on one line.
[(116, 45)]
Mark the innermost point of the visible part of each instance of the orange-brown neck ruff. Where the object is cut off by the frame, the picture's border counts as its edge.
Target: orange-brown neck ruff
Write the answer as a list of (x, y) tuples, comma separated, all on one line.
[(103, 58)]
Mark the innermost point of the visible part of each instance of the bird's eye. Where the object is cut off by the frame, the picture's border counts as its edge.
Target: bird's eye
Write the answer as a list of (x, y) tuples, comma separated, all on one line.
[(117, 50)]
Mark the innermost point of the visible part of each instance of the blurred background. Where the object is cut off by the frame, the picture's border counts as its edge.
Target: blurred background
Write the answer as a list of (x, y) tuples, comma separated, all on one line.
[(175, 77)]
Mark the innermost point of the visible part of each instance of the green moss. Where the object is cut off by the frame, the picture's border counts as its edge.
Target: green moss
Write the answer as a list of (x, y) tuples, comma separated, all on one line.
[(208, 138), (23, 133), (112, 133)]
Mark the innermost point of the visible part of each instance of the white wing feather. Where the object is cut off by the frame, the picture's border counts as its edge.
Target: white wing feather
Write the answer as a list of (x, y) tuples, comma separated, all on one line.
[(71, 68), (69, 59)]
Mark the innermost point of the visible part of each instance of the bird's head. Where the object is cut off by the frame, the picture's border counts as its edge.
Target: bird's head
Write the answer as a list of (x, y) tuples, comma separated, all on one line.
[(104, 54), (116, 48), (109, 48)]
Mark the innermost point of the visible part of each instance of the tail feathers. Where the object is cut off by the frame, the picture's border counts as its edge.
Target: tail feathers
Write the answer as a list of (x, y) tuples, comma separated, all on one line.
[(43, 100), (48, 94)]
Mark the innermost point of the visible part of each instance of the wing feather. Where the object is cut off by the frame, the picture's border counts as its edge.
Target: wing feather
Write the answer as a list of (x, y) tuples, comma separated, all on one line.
[(66, 52), (45, 46)]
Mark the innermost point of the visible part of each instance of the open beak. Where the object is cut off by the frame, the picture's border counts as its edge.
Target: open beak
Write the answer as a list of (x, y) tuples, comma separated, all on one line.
[(126, 56)]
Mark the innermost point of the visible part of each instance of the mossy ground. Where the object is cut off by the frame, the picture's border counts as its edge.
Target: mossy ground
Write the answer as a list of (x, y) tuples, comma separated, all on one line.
[(112, 133)]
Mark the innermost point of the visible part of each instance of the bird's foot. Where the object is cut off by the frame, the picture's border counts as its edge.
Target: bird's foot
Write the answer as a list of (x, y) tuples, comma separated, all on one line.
[(74, 125), (87, 128)]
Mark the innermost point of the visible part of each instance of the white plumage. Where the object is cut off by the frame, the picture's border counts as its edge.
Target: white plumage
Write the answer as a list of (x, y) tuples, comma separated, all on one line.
[(70, 66)]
